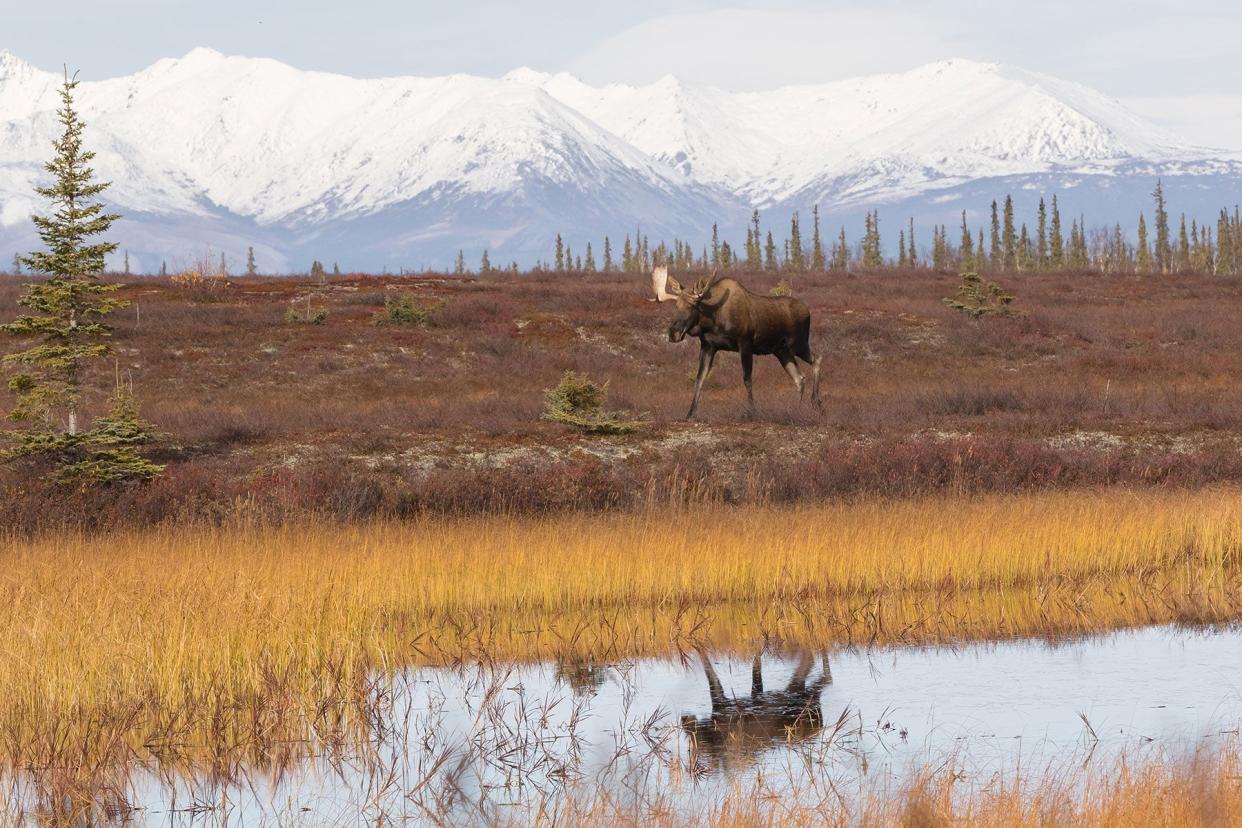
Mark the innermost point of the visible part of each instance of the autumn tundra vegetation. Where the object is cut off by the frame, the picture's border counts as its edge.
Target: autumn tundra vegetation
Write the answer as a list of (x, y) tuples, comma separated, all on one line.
[(233, 507)]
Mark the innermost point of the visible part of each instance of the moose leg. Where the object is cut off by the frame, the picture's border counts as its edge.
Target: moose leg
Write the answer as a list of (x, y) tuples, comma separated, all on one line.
[(756, 676), (791, 367), (814, 360), (797, 682), (706, 357), (713, 683), (748, 363)]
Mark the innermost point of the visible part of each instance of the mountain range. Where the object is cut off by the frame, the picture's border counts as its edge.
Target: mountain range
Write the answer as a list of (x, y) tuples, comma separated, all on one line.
[(216, 153)]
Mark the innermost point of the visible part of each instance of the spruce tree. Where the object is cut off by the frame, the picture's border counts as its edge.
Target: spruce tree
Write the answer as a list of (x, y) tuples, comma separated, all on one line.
[(17, 264), (994, 254), (126, 271), (913, 256), (966, 252), (817, 245), (163, 269), (485, 264), (560, 254), (901, 249), (607, 255), (1182, 261), (459, 267), (1041, 238), (1163, 252), (68, 324), (1009, 241), (250, 266), (841, 252), (769, 254), (1056, 242), (795, 258), (1224, 244), (589, 265), (1142, 256)]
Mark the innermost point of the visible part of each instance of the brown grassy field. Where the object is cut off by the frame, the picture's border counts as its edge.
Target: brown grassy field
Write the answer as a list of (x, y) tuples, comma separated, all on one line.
[(1103, 379)]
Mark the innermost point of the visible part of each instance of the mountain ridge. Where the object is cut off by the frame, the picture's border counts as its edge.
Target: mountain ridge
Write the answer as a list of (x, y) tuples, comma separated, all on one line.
[(422, 167)]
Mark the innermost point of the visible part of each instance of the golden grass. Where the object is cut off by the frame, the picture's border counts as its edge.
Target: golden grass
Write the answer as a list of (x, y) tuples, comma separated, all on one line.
[(240, 642)]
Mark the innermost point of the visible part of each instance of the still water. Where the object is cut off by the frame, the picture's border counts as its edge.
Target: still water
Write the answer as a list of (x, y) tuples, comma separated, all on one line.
[(508, 743)]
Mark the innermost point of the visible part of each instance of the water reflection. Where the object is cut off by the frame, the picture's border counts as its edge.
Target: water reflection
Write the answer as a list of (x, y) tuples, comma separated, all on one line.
[(513, 744), (739, 727)]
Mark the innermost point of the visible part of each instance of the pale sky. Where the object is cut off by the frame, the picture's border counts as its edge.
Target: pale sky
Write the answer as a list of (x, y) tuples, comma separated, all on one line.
[(1173, 62)]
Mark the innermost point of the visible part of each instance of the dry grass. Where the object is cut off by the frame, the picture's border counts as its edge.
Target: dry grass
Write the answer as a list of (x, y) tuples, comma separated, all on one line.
[(233, 641), (1200, 790)]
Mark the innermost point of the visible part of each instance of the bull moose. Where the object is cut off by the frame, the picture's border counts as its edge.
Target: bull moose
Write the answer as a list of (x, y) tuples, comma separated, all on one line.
[(725, 316)]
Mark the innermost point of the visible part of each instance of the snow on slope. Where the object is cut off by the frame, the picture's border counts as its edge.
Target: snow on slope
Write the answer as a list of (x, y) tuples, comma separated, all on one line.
[(407, 170)]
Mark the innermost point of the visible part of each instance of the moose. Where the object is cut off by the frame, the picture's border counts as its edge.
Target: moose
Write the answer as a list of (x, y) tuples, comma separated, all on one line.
[(746, 725), (725, 316)]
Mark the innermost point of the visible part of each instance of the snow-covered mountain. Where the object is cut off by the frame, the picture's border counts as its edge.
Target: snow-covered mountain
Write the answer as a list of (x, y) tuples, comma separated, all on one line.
[(209, 151)]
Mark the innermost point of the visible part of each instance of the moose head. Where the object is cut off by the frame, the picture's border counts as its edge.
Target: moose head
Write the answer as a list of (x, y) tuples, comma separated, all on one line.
[(692, 304)]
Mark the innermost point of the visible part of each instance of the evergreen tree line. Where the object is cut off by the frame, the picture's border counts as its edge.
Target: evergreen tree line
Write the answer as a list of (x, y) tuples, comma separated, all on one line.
[(1003, 245)]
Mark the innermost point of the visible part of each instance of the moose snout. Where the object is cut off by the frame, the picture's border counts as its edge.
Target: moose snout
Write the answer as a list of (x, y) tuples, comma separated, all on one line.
[(675, 335)]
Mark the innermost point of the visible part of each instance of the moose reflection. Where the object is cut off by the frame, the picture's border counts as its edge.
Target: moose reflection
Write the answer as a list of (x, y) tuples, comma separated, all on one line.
[(744, 726)]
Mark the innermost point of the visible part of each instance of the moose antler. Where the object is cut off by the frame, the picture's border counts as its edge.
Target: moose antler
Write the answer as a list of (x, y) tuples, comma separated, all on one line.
[(662, 284)]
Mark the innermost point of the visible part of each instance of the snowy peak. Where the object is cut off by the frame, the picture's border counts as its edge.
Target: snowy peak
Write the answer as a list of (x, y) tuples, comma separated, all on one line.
[(256, 144)]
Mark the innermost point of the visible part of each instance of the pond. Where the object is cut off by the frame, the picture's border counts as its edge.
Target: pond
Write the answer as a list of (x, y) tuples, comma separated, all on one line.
[(504, 743)]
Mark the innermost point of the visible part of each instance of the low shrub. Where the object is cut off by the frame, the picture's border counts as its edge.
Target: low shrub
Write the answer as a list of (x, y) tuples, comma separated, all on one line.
[(579, 402)]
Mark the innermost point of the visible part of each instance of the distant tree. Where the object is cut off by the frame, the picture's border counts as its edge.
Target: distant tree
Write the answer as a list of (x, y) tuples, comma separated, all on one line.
[(715, 247), (795, 258), (1024, 258), (1056, 242), (127, 263), (560, 254), (485, 263), (336, 271), (901, 250), (1142, 255), (1163, 251), (913, 255), (578, 264), (769, 255), (17, 264), (1182, 261), (940, 247), (569, 257), (250, 266), (607, 255), (224, 265), (966, 251), (754, 252), (316, 270), (995, 257), (841, 252), (726, 256), (163, 268), (459, 266), (1041, 240), (627, 256), (817, 244), (1009, 241), (872, 257), (590, 259), (1224, 244)]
